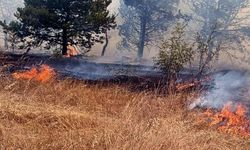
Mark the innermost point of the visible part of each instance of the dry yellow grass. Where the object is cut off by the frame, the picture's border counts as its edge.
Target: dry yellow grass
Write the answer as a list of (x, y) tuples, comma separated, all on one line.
[(72, 115)]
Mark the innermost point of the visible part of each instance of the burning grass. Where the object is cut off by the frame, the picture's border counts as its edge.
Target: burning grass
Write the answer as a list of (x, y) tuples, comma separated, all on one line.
[(71, 114), (232, 120), (43, 74)]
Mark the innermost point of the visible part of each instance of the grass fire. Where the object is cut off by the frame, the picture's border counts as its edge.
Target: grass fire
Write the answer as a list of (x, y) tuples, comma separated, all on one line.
[(125, 74), (71, 113), (229, 119), (42, 74)]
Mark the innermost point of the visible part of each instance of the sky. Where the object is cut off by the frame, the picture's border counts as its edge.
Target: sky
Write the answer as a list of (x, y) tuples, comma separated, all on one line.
[(114, 6)]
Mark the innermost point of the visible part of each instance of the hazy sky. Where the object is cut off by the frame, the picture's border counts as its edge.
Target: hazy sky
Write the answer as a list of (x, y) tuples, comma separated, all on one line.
[(114, 6)]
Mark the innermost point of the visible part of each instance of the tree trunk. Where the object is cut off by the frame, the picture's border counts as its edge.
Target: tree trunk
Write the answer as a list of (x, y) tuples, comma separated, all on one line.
[(142, 37), (6, 45), (65, 41), (106, 44)]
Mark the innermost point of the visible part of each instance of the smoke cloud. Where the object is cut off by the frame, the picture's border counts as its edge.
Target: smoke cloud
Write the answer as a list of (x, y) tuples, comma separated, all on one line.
[(226, 87)]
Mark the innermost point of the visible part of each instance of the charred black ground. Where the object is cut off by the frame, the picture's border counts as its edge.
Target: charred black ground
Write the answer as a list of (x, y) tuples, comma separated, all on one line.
[(85, 69)]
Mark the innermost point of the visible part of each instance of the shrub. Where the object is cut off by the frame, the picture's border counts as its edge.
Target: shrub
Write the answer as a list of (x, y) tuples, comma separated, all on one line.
[(174, 54)]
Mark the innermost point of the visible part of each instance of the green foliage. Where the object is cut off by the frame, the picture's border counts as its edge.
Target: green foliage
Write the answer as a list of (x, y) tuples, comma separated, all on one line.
[(12, 30), (56, 52), (13, 26), (58, 21), (175, 53)]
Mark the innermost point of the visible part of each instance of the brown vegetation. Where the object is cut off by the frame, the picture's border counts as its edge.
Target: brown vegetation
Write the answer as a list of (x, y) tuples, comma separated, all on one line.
[(73, 115)]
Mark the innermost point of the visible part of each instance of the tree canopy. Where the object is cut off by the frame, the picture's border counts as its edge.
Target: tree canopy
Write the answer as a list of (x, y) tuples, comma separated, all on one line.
[(145, 21), (222, 27), (58, 22)]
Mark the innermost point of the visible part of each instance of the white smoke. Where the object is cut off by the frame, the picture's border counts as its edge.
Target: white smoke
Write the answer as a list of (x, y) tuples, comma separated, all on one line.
[(232, 86)]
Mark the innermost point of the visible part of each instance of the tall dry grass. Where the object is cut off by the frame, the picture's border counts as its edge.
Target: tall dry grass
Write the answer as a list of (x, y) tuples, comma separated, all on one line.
[(73, 115)]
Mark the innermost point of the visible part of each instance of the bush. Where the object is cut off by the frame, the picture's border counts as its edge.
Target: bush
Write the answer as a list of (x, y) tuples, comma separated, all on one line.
[(56, 52), (174, 54)]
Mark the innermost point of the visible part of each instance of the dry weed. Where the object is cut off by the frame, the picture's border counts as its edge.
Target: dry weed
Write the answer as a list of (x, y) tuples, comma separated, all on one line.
[(73, 115)]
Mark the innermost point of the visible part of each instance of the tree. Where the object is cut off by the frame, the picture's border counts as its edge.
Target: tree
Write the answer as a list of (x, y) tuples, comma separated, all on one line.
[(144, 22), (7, 9), (106, 44), (58, 22), (221, 28), (12, 33), (175, 54)]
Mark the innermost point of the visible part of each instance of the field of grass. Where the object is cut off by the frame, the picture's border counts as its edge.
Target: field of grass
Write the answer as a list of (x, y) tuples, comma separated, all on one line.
[(71, 114)]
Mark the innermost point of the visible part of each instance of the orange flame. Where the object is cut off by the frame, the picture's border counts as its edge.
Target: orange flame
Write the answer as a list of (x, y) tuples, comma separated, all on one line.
[(184, 86), (43, 74), (229, 121), (191, 84)]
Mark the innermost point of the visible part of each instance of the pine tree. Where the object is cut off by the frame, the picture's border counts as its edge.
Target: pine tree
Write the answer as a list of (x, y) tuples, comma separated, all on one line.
[(58, 22), (145, 21)]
